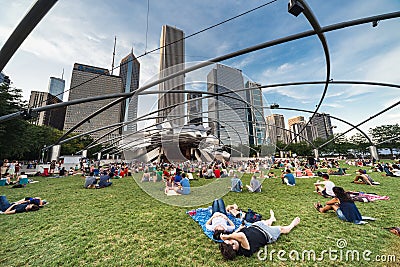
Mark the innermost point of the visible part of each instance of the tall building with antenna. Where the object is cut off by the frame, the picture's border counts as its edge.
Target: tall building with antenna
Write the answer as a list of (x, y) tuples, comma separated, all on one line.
[(129, 72), (172, 59), (56, 87)]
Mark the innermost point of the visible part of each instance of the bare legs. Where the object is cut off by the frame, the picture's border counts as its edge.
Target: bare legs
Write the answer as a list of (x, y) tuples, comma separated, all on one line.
[(271, 220), (288, 228), (326, 208), (284, 229)]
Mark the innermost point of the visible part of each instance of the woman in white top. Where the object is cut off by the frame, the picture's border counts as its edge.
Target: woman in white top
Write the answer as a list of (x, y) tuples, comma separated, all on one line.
[(219, 222)]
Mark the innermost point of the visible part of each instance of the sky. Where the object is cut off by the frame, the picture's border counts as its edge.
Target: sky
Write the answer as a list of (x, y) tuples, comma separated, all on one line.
[(83, 31)]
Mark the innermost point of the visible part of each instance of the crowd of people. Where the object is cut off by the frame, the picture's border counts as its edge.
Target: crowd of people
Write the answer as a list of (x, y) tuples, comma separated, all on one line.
[(248, 238)]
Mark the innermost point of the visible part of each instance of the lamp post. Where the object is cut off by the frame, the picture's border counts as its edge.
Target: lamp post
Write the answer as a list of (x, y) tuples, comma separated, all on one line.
[(43, 151)]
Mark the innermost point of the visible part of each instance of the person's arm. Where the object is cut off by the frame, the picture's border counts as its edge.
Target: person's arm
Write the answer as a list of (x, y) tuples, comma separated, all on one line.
[(333, 201), (366, 180), (22, 201), (240, 228), (238, 236), (9, 210)]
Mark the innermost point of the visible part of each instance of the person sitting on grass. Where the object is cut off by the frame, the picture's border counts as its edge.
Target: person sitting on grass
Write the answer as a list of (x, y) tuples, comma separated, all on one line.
[(183, 186), (363, 178), (255, 185), (325, 188), (104, 180), (288, 178), (62, 172), (17, 207), (90, 181), (343, 205), (249, 239), (236, 184), (219, 223)]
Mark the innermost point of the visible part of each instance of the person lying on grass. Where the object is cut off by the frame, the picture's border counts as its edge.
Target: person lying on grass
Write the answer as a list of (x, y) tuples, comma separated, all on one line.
[(247, 240), (11, 208), (219, 223), (33, 200), (344, 207)]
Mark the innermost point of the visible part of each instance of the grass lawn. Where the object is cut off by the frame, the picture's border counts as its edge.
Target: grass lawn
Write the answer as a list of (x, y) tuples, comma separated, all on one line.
[(123, 226)]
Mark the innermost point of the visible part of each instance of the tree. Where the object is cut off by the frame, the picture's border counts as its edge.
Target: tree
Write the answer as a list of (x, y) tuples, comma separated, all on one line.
[(12, 143), (359, 143), (301, 149), (386, 136), (341, 145)]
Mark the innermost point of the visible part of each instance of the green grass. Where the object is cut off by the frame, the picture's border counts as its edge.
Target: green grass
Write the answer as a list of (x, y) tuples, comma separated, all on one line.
[(123, 226)]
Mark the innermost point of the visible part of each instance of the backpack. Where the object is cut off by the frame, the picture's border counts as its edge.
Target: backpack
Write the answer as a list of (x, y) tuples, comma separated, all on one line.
[(252, 216)]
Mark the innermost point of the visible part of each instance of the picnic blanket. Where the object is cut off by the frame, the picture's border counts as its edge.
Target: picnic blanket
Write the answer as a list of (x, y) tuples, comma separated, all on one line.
[(202, 215)]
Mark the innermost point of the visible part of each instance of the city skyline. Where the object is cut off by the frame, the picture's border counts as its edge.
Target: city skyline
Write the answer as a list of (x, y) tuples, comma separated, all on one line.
[(362, 53)]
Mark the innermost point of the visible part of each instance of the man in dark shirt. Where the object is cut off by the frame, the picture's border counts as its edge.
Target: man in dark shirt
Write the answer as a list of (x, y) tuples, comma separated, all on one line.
[(16, 207), (104, 180), (248, 240)]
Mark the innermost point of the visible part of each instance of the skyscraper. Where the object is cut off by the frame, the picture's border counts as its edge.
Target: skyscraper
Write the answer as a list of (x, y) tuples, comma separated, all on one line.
[(88, 81), (227, 116), (323, 125), (172, 59), (53, 117), (294, 120), (276, 128), (56, 87), (255, 114), (296, 125), (129, 71), (195, 109)]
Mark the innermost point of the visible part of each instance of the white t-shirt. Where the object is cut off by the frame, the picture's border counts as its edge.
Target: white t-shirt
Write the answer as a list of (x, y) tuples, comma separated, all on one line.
[(328, 187), (219, 220)]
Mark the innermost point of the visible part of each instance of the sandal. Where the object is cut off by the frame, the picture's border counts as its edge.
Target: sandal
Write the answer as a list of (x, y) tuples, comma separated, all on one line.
[(317, 206)]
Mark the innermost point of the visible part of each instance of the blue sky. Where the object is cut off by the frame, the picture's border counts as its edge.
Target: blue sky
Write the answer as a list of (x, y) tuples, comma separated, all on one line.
[(83, 31)]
